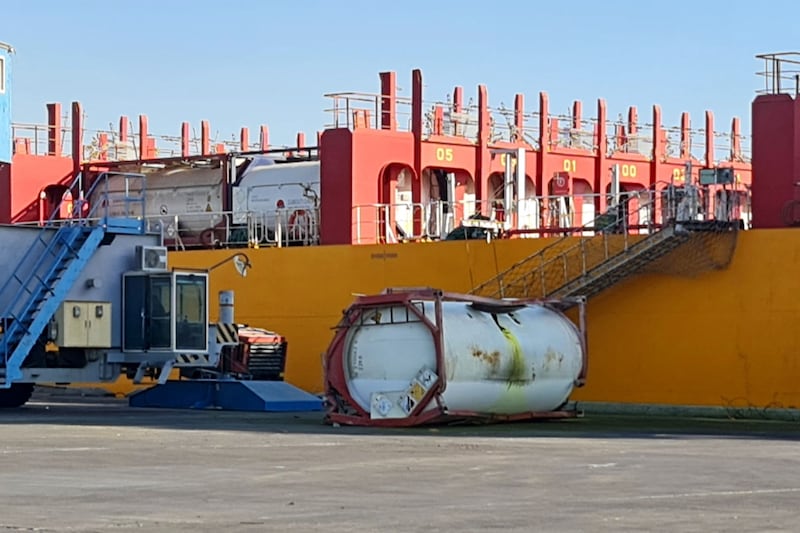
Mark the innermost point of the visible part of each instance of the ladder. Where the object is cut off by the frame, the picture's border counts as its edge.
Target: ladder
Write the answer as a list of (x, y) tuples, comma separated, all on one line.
[(47, 272), (585, 266)]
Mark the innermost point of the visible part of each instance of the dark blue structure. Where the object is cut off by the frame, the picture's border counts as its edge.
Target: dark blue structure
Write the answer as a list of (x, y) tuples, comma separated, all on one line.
[(227, 394)]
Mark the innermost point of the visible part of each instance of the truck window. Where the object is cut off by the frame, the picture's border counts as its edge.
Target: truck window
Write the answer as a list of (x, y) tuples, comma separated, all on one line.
[(191, 327)]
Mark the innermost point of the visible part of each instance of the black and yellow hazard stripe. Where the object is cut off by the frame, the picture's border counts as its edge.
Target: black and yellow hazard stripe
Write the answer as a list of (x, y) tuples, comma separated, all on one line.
[(191, 359), (227, 333)]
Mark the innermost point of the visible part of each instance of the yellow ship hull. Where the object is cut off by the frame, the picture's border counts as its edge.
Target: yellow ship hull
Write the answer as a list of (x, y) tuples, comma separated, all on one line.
[(723, 338)]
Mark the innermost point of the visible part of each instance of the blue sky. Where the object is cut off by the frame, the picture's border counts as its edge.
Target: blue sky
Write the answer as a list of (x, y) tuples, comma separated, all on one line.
[(246, 62)]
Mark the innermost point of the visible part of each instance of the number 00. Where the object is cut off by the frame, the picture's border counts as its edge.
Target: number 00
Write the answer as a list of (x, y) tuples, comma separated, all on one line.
[(629, 171)]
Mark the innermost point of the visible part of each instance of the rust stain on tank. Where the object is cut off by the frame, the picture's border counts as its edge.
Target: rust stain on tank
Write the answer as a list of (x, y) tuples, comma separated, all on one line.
[(490, 358), (552, 357)]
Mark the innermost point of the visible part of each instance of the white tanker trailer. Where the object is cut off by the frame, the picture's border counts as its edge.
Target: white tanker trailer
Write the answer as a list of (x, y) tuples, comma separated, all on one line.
[(420, 356), (188, 200)]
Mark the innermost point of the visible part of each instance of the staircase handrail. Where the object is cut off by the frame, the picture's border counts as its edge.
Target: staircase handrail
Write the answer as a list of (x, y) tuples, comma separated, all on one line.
[(48, 224), (620, 219), (24, 286), (103, 178), (77, 207)]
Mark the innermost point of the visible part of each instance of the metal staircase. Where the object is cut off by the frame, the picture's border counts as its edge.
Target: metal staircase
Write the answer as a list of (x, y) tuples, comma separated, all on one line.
[(587, 265), (47, 272)]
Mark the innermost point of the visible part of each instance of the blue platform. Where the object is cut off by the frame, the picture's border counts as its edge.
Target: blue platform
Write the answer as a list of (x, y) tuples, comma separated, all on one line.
[(264, 396)]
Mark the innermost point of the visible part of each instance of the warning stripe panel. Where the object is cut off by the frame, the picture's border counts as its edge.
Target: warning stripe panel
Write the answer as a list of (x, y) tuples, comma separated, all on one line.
[(191, 359), (227, 333)]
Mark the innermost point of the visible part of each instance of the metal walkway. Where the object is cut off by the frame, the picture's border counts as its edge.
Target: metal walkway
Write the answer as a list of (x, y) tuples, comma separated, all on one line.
[(585, 266)]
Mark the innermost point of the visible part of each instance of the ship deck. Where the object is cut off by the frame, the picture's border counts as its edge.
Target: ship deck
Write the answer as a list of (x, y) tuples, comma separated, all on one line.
[(100, 465)]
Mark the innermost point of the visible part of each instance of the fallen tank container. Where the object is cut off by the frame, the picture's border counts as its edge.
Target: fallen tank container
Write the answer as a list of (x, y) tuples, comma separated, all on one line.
[(420, 356)]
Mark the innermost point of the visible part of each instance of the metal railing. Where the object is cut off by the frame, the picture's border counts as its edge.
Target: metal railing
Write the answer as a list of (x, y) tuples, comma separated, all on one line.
[(107, 145), (280, 227), (537, 216), (781, 73), (365, 110), (566, 260), (354, 110)]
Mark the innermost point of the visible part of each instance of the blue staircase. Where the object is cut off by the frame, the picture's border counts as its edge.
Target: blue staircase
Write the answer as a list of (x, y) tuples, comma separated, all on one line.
[(41, 285), (45, 275)]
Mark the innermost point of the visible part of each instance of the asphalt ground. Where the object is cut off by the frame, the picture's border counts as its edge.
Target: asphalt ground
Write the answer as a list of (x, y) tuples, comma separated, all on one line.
[(94, 464)]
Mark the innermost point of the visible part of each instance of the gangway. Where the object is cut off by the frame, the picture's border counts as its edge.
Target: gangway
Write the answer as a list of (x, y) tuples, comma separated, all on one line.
[(585, 266)]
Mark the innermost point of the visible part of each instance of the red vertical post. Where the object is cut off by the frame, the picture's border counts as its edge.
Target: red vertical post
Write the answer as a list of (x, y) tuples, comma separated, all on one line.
[(552, 135), (484, 158), (544, 145), (458, 107), (416, 130), (601, 174), (709, 138), (54, 129), (263, 138), (143, 145), (658, 144), (301, 141), (577, 114), (458, 99), (736, 139), (152, 151), (388, 102), (633, 121), (438, 120), (185, 138), (124, 127), (686, 136), (244, 140), (102, 141), (205, 137), (619, 137), (77, 137), (519, 118)]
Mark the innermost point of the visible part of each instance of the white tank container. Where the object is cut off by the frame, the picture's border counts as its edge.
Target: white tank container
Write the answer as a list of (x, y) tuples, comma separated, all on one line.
[(285, 193), (266, 188), (500, 363), (194, 195)]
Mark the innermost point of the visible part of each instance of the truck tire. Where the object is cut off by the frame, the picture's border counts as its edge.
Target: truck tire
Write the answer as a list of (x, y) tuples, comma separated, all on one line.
[(16, 396)]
